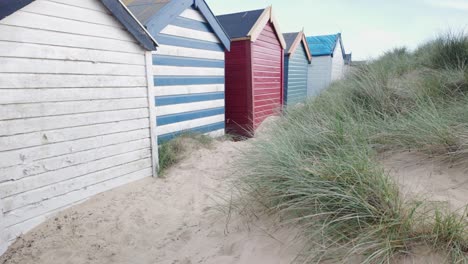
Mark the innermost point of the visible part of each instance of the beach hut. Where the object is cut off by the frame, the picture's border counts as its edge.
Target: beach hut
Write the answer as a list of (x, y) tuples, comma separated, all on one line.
[(74, 116), (328, 64), (254, 69), (188, 67), (296, 65)]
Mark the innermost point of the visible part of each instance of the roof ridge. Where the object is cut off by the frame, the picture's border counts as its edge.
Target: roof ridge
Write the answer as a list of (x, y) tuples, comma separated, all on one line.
[(241, 12)]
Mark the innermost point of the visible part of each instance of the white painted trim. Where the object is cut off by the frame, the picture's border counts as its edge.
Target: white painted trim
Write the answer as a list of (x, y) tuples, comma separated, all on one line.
[(152, 114), (188, 89), (141, 26), (161, 70), (189, 124), (257, 28), (276, 25), (189, 33), (265, 17), (190, 53), (182, 108), (193, 14)]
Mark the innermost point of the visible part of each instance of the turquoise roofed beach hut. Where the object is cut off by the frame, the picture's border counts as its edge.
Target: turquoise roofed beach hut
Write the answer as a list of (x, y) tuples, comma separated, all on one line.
[(329, 61), (296, 64)]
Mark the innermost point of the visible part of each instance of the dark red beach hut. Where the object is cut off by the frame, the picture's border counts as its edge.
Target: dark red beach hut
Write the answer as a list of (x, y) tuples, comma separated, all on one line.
[(254, 69)]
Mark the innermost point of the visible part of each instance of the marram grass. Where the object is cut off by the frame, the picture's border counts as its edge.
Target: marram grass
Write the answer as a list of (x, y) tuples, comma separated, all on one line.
[(317, 166)]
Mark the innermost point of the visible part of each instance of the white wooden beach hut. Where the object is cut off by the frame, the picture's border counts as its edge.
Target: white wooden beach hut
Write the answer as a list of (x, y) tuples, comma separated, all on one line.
[(74, 115)]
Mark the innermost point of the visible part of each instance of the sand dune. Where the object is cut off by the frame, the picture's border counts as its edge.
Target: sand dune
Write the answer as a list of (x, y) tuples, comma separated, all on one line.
[(181, 219), (169, 221)]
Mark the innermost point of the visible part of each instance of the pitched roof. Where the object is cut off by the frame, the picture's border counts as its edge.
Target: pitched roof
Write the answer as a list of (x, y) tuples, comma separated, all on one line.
[(323, 45), (145, 9), (293, 41), (238, 25), (250, 24), (157, 14), (116, 8), (290, 38)]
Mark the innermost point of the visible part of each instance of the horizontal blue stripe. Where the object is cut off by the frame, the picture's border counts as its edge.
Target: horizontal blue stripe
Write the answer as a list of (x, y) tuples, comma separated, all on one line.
[(170, 119), (201, 130), (192, 24), (186, 62), (187, 98), (187, 80), (188, 43)]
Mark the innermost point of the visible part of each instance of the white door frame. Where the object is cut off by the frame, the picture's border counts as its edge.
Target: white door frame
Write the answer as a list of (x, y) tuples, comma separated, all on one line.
[(152, 113)]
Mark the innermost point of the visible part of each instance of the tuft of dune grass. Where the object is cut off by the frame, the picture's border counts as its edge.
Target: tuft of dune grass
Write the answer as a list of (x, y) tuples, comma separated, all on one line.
[(172, 151), (318, 165)]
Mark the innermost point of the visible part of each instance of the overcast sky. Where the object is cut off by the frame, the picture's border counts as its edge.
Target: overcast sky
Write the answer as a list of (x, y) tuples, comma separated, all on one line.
[(368, 27)]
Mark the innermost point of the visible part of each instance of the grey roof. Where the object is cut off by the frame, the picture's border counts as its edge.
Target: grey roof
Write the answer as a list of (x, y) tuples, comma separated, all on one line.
[(115, 7), (289, 38), (145, 9), (238, 25)]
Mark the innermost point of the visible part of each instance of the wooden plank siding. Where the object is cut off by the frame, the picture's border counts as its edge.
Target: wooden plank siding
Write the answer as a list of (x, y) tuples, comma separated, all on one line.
[(319, 74), (267, 75), (75, 117), (254, 82), (239, 104), (188, 71), (295, 76)]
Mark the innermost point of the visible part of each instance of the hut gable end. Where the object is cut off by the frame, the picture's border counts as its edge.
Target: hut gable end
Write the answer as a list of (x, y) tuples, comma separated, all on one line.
[(188, 67)]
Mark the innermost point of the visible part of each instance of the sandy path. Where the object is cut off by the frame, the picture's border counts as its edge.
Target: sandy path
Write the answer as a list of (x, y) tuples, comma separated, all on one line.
[(172, 220)]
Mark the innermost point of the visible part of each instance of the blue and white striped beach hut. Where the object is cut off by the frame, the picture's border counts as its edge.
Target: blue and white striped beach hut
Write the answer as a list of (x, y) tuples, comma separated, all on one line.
[(188, 67)]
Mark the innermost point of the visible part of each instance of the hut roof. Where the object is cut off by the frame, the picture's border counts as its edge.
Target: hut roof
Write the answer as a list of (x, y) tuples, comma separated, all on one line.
[(115, 7), (249, 24)]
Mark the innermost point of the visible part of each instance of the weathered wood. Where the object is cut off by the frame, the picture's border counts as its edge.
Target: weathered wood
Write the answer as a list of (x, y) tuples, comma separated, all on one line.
[(67, 11), (46, 52), (29, 155), (43, 95), (38, 66), (152, 114), (16, 173), (57, 39), (74, 102), (51, 191), (29, 125), (30, 183), (16, 80), (15, 111), (47, 23), (88, 4), (66, 134)]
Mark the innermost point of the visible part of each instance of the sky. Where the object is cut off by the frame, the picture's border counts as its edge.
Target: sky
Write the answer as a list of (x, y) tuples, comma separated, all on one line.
[(368, 27)]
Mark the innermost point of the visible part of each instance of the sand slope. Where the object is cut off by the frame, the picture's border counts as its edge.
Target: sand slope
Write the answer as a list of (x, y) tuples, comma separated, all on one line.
[(428, 178), (172, 220)]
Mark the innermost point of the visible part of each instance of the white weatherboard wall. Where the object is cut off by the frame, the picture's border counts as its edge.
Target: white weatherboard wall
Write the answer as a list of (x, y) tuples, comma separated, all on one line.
[(74, 110), (319, 76), (189, 78), (337, 71)]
